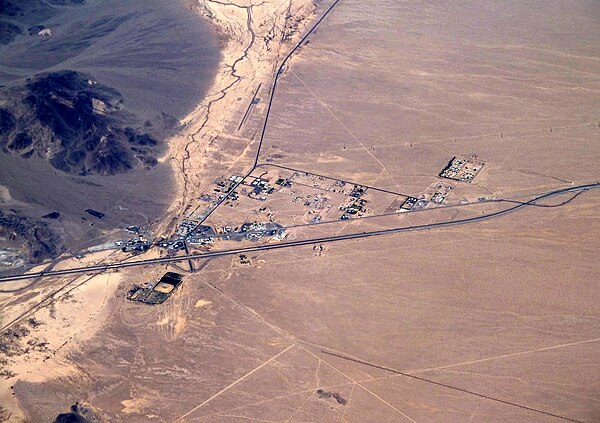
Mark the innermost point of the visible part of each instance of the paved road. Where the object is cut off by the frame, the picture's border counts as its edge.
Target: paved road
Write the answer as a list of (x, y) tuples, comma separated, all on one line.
[(279, 72), (212, 254), (289, 244)]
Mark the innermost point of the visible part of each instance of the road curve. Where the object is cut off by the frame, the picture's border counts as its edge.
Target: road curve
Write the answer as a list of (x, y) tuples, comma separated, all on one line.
[(289, 244)]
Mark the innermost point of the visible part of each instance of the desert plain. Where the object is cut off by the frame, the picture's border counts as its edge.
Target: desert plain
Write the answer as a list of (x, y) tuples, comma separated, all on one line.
[(483, 320)]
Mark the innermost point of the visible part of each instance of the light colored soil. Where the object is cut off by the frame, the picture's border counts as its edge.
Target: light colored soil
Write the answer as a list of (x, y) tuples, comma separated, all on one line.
[(488, 322)]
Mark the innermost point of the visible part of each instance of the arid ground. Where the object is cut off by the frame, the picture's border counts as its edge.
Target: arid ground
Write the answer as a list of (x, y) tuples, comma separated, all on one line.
[(491, 320)]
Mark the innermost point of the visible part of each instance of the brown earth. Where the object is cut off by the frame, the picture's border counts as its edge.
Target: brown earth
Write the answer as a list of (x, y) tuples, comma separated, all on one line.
[(488, 322)]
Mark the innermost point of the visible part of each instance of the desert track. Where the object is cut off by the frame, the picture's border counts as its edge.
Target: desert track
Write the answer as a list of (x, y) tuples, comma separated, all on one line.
[(189, 257), (327, 239)]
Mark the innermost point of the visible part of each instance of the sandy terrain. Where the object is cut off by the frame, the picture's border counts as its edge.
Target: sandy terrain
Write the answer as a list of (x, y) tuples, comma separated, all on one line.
[(253, 344), (488, 322), (160, 58), (52, 332), (520, 96), (252, 38)]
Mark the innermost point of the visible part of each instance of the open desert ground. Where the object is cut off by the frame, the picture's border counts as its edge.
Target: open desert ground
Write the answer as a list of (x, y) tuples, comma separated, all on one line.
[(489, 320)]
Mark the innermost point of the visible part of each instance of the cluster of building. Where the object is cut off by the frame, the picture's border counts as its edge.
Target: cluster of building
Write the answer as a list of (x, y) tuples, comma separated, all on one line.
[(156, 293), (462, 169), (186, 227), (317, 201), (408, 204), (357, 207), (253, 231), (440, 193), (357, 191), (260, 189), (191, 232), (202, 234), (282, 182), (138, 244), (318, 194), (225, 186)]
